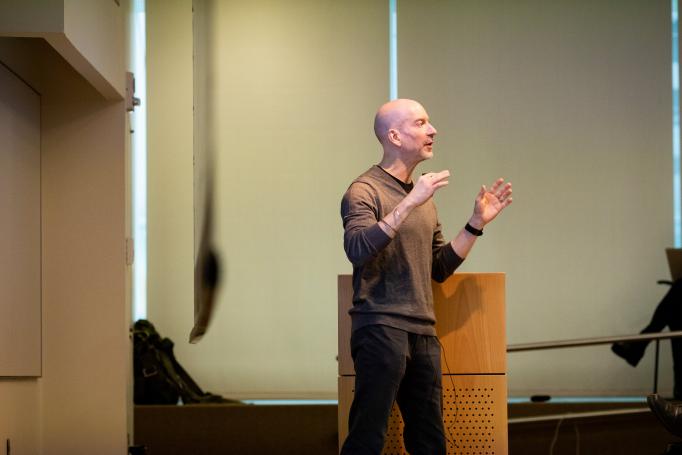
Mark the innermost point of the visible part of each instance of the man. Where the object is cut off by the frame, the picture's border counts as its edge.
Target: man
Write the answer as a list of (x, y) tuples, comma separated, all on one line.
[(394, 240)]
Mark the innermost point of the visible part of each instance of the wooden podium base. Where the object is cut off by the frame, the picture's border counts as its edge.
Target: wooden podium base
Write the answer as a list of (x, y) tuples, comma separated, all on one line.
[(474, 415), (470, 315)]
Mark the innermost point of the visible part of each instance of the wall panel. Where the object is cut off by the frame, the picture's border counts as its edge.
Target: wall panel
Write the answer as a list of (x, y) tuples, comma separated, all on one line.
[(20, 329), (294, 87), (571, 101)]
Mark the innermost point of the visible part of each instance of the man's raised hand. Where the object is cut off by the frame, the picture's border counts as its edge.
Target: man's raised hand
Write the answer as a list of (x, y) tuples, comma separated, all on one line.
[(490, 202), (427, 185)]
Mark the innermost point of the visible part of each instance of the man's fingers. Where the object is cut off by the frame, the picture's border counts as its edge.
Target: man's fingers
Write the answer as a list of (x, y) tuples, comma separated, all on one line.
[(495, 186), (434, 180), (501, 191), (435, 177), (505, 192), (442, 174), (440, 184)]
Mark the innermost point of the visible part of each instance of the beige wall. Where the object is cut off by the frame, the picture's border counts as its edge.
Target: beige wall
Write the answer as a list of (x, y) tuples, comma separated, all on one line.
[(79, 404), (20, 415), (571, 101), (170, 268), (295, 89), (284, 159), (28, 18), (20, 351), (550, 97), (85, 320), (89, 34), (96, 29)]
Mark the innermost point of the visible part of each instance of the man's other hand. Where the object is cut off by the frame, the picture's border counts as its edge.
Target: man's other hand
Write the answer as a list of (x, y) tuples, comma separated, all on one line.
[(490, 202), (427, 185)]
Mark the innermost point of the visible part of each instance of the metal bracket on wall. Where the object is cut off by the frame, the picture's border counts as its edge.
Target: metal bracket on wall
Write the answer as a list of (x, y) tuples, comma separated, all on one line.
[(130, 251), (131, 99)]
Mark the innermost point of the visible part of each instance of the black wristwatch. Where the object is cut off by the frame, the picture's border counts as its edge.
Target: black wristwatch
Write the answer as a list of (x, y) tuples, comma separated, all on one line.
[(472, 230)]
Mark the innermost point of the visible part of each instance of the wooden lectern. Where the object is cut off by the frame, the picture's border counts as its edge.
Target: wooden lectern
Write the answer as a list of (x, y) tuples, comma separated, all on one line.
[(470, 314)]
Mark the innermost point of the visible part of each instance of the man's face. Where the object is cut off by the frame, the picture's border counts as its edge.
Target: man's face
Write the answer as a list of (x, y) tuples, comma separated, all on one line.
[(416, 132)]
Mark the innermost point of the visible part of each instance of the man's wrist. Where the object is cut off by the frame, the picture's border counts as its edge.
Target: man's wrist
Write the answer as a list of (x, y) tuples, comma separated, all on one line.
[(407, 203), (390, 230), (476, 223)]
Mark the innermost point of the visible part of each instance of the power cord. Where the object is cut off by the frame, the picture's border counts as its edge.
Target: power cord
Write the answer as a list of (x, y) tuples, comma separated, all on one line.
[(556, 436), (577, 439), (449, 428)]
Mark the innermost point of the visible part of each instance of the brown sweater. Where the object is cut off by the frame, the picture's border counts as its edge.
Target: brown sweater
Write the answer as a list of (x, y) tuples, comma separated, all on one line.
[(392, 278)]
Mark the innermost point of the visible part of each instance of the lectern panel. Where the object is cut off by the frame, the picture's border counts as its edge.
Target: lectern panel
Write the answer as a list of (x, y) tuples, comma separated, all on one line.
[(345, 291), (470, 322), (470, 315)]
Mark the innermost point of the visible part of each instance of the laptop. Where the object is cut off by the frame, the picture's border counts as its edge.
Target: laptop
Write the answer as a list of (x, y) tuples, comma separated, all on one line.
[(674, 262)]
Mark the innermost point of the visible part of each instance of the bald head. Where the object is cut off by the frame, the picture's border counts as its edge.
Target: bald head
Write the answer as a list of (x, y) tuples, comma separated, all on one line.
[(391, 115)]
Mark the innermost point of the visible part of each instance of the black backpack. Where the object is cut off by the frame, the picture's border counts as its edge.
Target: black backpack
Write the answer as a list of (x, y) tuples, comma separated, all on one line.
[(159, 378)]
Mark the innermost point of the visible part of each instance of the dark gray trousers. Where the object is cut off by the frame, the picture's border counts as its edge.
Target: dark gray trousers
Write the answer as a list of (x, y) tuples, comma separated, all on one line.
[(394, 365)]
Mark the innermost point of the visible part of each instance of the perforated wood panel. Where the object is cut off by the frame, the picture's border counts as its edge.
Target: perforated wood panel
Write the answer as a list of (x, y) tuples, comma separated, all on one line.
[(474, 415), (394, 435)]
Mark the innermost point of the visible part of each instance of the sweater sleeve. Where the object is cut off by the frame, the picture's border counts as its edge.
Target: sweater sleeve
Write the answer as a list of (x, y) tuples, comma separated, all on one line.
[(363, 238), (445, 260)]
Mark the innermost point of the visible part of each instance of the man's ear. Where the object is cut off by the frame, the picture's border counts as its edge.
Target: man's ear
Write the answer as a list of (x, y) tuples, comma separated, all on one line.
[(394, 137)]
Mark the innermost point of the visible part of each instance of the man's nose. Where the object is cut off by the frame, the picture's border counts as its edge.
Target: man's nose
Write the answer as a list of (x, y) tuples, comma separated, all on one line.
[(432, 129)]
